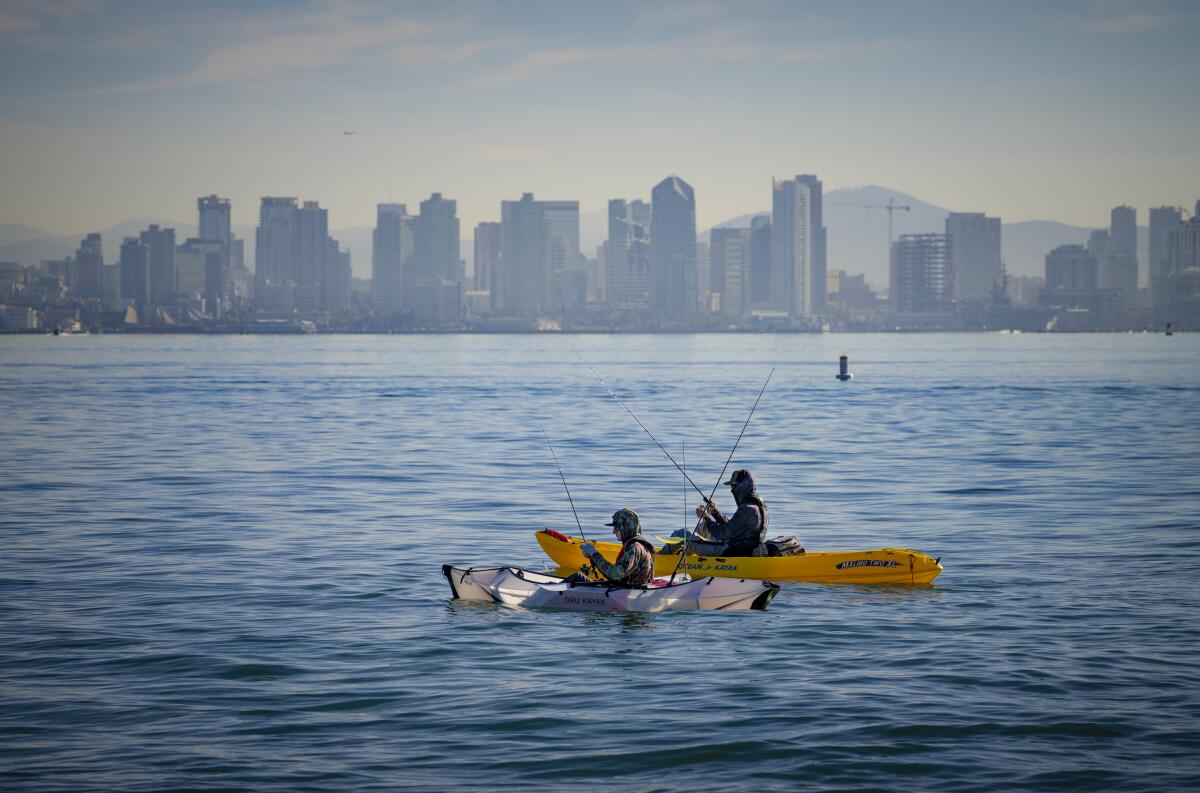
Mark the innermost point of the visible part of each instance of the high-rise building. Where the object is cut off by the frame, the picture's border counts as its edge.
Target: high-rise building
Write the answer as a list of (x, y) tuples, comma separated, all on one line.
[(275, 249), (215, 224), (526, 284), (919, 273), (215, 219), (1071, 267), (976, 270), (819, 267), (1162, 221), (562, 223), (436, 251), (729, 252), (626, 262), (200, 270), (566, 261), (487, 260), (1099, 244), (436, 267), (162, 264), (312, 250), (794, 247), (760, 261), (293, 257), (135, 271), (1178, 297), (673, 248), (1123, 231), (90, 260), (1183, 247), (336, 277), (391, 249)]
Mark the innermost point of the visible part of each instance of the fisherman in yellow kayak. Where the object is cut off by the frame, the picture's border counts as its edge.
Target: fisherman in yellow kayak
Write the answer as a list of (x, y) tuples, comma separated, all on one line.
[(739, 535), (635, 562)]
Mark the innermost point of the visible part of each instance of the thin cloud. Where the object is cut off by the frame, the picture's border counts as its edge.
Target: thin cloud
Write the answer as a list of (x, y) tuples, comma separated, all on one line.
[(302, 50), (1142, 22), (1124, 16), (723, 46)]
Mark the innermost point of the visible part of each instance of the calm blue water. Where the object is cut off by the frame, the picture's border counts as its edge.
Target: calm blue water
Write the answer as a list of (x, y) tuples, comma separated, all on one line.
[(220, 563)]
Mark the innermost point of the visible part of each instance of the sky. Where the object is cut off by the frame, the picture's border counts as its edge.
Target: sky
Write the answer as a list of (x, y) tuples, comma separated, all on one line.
[(1025, 110)]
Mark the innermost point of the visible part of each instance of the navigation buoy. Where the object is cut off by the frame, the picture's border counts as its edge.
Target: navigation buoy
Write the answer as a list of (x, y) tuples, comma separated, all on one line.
[(843, 369)]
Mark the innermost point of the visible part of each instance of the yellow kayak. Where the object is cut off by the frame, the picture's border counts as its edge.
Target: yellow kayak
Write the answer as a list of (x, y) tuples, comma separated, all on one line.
[(879, 566)]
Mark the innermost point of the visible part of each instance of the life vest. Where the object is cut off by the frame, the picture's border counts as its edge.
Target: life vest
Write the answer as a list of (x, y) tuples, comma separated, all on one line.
[(643, 575), (762, 513)]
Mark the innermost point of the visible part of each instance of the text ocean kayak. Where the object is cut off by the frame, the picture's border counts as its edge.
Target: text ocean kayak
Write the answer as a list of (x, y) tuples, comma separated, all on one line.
[(516, 587), (879, 566)]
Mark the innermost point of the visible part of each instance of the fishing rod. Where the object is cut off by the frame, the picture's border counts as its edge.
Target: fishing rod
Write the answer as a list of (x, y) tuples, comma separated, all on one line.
[(709, 500), (640, 424), (739, 437), (564, 481)]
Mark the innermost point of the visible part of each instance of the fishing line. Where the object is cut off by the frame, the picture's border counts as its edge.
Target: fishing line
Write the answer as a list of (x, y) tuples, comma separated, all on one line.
[(640, 424), (708, 500), (564, 481)]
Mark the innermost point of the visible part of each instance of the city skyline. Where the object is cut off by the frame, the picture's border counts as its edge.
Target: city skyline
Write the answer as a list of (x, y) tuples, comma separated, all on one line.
[(118, 110)]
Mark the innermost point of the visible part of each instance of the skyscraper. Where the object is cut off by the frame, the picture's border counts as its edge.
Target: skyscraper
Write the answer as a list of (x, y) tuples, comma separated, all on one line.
[(976, 269), (760, 261), (215, 225), (487, 260), (134, 269), (526, 287), (90, 261), (161, 243), (626, 262), (391, 248), (1162, 221), (215, 219), (312, 234), (729, 250), (1178, 298), (1071, 268), (336, 276), (673, 248), (436, 268), (1123, 231), (794, 246), (275, 247), (436, 252), (919, 273), (819, 269)]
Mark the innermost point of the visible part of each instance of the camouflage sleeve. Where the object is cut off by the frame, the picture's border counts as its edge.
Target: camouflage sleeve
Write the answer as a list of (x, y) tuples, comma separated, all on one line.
[(613, 572)]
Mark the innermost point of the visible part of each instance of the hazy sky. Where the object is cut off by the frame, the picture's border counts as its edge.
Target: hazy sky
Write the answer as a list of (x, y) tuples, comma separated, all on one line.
[(114, 110)]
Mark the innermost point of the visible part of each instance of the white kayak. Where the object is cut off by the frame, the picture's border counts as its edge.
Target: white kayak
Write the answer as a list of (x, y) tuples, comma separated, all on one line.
[(513, 586)]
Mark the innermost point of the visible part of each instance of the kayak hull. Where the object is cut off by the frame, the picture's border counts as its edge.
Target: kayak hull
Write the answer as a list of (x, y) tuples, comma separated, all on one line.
[(892, 566), (513, 586)]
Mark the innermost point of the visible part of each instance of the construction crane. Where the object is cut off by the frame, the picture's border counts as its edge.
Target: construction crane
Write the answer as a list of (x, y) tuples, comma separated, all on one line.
[(891, 206)]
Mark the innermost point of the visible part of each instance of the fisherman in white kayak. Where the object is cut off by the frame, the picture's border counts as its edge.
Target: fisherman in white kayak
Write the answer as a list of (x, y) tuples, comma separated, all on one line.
[(635, 562), (742, 534)]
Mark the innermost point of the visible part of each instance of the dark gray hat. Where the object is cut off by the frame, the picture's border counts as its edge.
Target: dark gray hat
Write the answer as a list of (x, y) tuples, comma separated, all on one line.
[(736, 477)]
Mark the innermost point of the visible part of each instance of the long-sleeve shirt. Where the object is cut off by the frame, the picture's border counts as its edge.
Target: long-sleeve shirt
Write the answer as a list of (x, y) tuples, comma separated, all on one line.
[(634, 565)]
